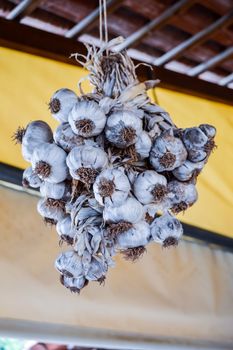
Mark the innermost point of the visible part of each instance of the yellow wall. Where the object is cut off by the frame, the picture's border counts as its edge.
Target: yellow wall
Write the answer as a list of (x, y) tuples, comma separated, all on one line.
[(27, 83)]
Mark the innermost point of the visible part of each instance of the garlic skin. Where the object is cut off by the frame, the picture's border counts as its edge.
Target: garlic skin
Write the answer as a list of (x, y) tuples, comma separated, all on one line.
[(111, 187), (150, 187), (73, 284), (36, 133), (31, 179), (69, 264), (61, 104), (130, 210), (123, 128), (181, 195), (87, 119), (85, 162), (97, 270), (166, 230), (65, 138), (65, 230), (51, 209), (143, 145), (138, 235), (55, 190), (168, 152), (187, 170), (195, 141), (49, 163)]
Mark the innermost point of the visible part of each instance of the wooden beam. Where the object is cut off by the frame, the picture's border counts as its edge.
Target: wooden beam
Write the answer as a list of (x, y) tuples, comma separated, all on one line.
[(227, 80), (156, 23), (38, 42), (198, 38), (91, 19), (24, 8), (212, 62)]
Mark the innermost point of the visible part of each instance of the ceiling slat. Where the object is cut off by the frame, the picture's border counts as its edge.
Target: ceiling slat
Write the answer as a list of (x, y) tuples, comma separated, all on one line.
[(23, 9), (194, 40), (227, 80), (203, 67)]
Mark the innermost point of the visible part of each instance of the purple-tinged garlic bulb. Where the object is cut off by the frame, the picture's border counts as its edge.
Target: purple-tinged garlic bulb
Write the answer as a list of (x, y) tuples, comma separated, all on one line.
[(182, 196), (150, 187), (35, 133), (66, 138), (188, 170), (135, 236), (209, 130), (123, 128), (69, 264), (52, 210), (111, 187), (49, 163), (87, 119), (197, 143), (130, 211), (65, 230), (30, 179), (73, 284), (143, 145), (168, 152), (85, 162), (166, 230), (62, 103), (55, 190)]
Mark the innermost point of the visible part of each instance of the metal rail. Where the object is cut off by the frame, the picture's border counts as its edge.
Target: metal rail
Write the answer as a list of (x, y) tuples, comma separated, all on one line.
[(227, 80), (22, 9)]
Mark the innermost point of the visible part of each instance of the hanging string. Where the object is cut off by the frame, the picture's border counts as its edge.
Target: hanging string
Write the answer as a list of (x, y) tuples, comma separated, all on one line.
[(100, 23), (103, 20)]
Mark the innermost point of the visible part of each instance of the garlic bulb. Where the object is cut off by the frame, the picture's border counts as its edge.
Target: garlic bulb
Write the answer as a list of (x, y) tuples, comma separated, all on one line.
[(55, 190), (73, 284), (209, 130), (129, 211), (87, 119), (65, 230), (85, 162), (143, 145), (65, 138), (123, 128), (188, 170), (182, 195), (69, 264), (97, 270), (166, 230), (111, 187), (196, 143), (136, 236), (51, 209), (62, 103), (34, 134), (30, 178), (49, 163), (150, 187), (168, 152)]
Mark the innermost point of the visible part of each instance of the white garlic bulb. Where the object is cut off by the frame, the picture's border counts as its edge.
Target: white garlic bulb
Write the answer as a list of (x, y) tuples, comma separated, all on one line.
[(129, 211), (73, 284), (111, 187), (97, 270), (136, 236), (66, 138), (168, 152), (123, 128), (143, 145), (65, 230), (62, 103), (31, 179), (187, 170), (69, 264), (55, 190), (87, 119), (51, 209), (85, 162), (181, 195), (166, 230), (49, 163), (34, 134), (150, 187)]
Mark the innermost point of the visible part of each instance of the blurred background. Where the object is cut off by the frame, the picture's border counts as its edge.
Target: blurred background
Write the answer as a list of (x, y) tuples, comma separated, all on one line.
[(176, 298)]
